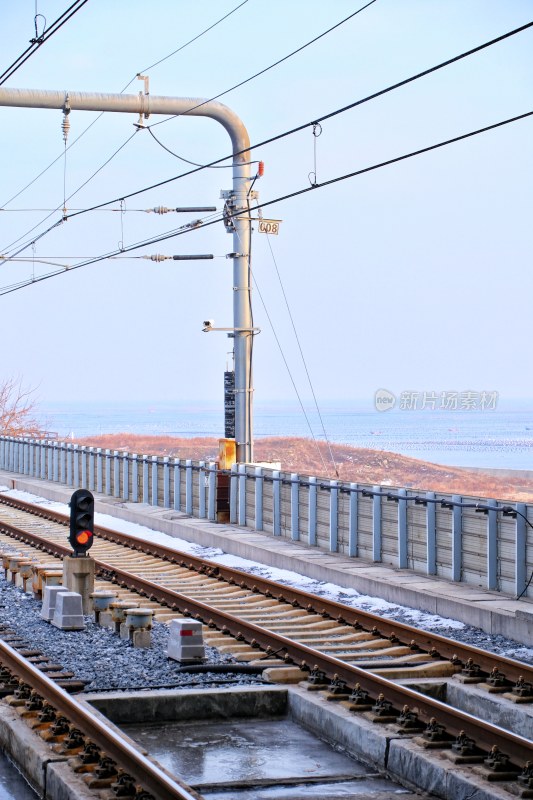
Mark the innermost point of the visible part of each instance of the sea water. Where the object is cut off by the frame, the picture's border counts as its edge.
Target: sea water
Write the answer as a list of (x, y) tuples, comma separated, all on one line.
[(501, 438)]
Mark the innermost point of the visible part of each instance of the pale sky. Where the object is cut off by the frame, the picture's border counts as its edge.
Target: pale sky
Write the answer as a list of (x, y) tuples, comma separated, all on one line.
[(416, 276)]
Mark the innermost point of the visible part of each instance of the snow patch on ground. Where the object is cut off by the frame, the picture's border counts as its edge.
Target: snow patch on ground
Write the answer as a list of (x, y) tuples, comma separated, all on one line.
[(347, 596)]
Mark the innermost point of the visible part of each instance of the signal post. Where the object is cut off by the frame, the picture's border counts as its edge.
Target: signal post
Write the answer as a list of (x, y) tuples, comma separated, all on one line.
[(78, 569)]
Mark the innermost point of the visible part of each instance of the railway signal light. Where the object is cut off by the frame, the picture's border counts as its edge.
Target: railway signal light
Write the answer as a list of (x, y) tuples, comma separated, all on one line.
[(81, 521)]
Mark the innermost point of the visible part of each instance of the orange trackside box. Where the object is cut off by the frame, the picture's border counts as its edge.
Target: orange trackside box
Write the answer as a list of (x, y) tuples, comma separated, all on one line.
[(227, 453)]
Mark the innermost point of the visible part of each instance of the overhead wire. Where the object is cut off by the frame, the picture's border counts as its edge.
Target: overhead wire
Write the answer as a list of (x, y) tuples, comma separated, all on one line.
[(304, 362), (314, 121), (187, 228), (36, 43), (73, 194), (77, 139), (195, 38), (186, 160), (247, 80), (253, 279), (267, 69)]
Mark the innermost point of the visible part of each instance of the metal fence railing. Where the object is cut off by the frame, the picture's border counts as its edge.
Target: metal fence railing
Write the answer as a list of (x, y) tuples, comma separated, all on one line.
[(482, 542)]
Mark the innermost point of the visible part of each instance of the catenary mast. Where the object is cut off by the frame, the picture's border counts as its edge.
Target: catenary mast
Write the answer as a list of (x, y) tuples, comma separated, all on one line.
[(236, 203)]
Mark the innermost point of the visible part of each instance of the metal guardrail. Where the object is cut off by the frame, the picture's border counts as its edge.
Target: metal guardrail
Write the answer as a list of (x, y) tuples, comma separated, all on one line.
[(482, 542)]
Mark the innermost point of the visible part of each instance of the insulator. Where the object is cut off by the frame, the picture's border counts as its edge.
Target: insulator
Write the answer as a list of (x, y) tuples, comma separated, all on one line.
[(65, 126), (261, 169), (161, 210), (157, 257)]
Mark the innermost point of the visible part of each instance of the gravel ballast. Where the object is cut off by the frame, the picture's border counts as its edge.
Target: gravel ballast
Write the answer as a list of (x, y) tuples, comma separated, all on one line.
[(100, 657)]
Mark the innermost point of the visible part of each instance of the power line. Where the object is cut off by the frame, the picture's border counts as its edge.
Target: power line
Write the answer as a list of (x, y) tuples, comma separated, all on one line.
[(40, 40), (201, 166), (267, 69), (316, 120), (198, 36), (314, 187), (304, 362), (65, 217), (194, 39)]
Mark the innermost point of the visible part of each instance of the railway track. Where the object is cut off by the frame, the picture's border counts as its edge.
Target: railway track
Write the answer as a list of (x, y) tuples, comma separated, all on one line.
[(64, 722), (358, 651)]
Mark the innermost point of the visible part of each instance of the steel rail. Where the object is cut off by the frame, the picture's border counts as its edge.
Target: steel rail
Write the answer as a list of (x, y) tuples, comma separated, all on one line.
[(447, 649), (146, 772), (483, 733)]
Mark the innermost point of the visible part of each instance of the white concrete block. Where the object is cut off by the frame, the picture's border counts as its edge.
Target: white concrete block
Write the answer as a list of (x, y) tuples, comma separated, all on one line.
[(68, 614), (186, 643), (49, 601)]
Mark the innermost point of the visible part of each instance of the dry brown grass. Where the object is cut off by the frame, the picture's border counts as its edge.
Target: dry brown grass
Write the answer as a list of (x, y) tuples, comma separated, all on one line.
[(353, 463)]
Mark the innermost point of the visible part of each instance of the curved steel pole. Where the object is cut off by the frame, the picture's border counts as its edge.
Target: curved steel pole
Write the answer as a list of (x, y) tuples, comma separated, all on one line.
[(242, 306)]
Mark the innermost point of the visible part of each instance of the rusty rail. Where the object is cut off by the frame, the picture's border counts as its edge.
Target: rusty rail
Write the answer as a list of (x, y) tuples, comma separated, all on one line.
[(486, 735), (147, 773), (406, 634)]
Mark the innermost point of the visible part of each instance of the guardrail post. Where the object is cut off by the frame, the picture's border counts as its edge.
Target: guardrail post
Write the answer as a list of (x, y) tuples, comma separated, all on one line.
[(69, 465), (402, 530), (376, 524), (32, 458), (492, 545), (55, 460), (295, 506), (84, 457), (258, 497), (431, 542), (212, 491), (2, 452), (155, 482), (76, 465), (91, 468), (107, 463), (125, 475), (99, 480), (16, 449), (353, 522), (233, 512), (177, 484), (276, 493), (26, 458), (521, 550), (62, 462), (166, 482), (43, 459), (145, 481), (334, 516), (188, 486), (311, 531), (134, 478), (201, 490), (116, 473), (457, 531), (242, 494)]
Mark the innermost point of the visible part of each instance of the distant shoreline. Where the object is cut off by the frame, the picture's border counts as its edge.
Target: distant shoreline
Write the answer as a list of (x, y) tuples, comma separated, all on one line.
[(344, 462)]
